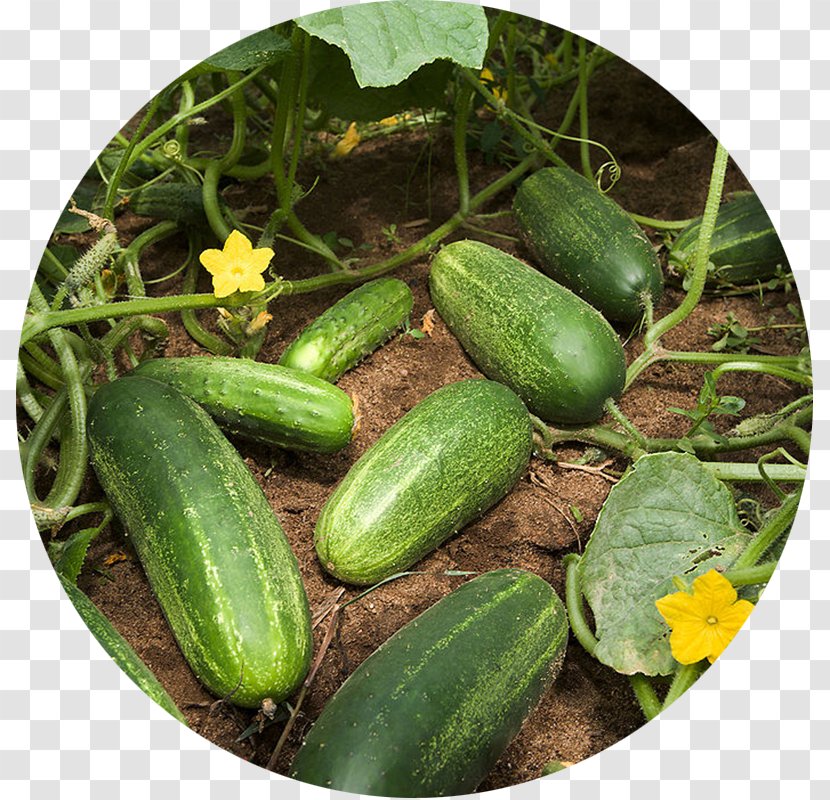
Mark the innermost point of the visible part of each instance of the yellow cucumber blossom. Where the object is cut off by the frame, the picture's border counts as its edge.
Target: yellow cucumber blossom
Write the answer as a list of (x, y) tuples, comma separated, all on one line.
[(488, 80), (237, 266), (348, 142), (704, 622)]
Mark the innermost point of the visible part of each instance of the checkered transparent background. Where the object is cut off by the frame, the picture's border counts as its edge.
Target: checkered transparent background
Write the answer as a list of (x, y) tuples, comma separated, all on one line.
[(757, 725)]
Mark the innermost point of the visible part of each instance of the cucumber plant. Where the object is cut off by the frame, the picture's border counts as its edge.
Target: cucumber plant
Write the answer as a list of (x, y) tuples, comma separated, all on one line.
[(296, 99)]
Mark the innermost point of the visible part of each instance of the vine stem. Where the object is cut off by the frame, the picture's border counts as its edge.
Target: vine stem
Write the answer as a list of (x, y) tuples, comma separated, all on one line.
[(573, 602), (40, 322), (661, 224), (584, 153), (774, 527), (684, 679), (646, 696)]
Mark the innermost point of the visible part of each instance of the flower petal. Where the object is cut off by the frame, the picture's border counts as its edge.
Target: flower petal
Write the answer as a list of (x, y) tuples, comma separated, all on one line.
[(251, 282), (679, 608), (714, 592), (224, 284), (238, 246), (691, 643), (260, 258), (214, 261)]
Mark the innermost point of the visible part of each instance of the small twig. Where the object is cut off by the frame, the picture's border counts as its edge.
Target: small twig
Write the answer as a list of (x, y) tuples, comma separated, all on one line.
[(597, 470), (545, 484), (325, 608), (335, 618)]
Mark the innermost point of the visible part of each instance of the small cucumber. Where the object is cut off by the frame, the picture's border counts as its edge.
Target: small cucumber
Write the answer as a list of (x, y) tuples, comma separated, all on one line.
[(745, 247), (119, 650), (585, 241), (214, 552), (180, 202), (432, 709), (353, 327), (458, 452), (264, 402), (554, 350)]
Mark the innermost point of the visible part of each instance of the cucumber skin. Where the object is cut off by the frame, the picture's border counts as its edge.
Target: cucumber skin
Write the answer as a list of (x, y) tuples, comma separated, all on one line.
[(118, 649), (430, 712), (458, 452), (213, 550), (263, 402), (585, 241), (180, 202), (745, 246), (521, 328), (348, 331)]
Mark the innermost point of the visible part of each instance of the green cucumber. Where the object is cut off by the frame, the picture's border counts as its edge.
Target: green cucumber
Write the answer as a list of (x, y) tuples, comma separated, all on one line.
[(431, 711), (212, 548), (523, 329), (264, 402), (745, 247), (180, 202), (458, 452), (119, 650), (585, 241), (353, 327)]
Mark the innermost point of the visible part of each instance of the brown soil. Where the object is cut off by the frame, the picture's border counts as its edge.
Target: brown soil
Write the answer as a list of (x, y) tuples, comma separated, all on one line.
[(666, 156)]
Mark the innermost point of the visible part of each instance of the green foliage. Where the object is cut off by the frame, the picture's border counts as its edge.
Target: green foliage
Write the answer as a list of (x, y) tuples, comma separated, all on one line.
[(68, 556), (731, 336), (669, 516), (708, 403), (388, 42), (333, 85), (264, 47)]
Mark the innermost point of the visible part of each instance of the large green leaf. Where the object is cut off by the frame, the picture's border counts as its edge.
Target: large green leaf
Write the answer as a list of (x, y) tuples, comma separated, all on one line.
[(668, 516), (332, 84), (387, 42), (265, 47)]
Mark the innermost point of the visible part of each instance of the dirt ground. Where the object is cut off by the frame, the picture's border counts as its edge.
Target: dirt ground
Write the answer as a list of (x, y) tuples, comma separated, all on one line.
[(665, 156)]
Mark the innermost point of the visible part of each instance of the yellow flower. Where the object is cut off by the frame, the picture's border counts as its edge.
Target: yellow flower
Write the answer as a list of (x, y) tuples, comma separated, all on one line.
[(489, 81), (704, 622), (237, 266), (350, 140), (388, 122)]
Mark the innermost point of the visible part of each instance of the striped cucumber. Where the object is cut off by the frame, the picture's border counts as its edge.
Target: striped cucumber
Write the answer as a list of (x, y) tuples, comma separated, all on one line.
[(745, 247), (264, 402), (119, 650), (180, 202), (213, 551), (353, 327), (430, 711), (553, 349), (458, 452), (585, 241)]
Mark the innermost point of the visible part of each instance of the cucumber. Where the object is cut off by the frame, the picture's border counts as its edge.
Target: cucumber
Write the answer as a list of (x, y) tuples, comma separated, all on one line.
[(430, 711), (585, 241), (264, 402), (745, 247), (353, 327), (180, 202), (119, 650), (523, 329), (211, 547), (459, 451)]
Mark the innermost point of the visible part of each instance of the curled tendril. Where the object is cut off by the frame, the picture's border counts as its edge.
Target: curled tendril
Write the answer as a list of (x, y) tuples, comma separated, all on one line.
[(614, 174), (172, 149)]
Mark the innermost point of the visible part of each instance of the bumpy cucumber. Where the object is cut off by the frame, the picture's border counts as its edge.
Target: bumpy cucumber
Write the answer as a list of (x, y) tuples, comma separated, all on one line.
[(119, 650), (180, 202), (353, 327), (745, 247), (552, 348), (264, 402), (585, 241), (211, 547), (430, 712), (444, 463)]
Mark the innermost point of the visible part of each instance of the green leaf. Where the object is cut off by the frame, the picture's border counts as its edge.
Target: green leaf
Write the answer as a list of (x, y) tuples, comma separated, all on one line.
[(68, 556), (387, 42), (669, 516), (264, 47), (333, 86)]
